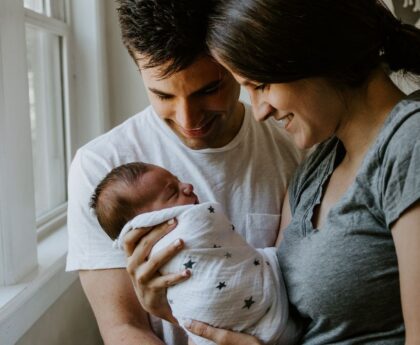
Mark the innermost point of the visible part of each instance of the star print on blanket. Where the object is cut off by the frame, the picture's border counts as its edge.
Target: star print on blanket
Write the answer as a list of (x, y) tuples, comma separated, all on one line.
[(228, 287)]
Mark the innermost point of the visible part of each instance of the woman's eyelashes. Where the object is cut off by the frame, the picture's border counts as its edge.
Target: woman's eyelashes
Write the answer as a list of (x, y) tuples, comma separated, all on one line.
[(260, 87)]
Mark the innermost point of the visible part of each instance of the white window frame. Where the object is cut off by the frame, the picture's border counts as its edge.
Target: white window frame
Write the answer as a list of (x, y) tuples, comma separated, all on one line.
[(32, 254), (57, 216)]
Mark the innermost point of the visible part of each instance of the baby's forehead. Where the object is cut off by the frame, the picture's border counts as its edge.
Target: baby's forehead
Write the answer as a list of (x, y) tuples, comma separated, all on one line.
[(155, 181)]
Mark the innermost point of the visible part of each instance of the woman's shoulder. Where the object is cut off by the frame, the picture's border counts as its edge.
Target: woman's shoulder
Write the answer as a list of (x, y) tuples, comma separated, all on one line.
[(401, 130)]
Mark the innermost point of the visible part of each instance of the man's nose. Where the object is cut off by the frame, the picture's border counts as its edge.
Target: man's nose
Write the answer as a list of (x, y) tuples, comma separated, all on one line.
[(187, 115)]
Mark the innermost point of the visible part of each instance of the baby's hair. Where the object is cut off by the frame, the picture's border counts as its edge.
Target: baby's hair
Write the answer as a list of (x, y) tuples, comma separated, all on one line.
[(116, 199)]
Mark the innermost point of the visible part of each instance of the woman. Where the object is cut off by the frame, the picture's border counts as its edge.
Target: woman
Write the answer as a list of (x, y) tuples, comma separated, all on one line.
[(350, 252)]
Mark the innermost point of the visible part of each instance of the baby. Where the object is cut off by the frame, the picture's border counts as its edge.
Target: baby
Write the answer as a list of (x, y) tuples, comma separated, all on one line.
[(232, 286)]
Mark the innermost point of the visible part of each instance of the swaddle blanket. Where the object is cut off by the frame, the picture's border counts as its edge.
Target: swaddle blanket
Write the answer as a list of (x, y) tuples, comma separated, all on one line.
[(232, 286)]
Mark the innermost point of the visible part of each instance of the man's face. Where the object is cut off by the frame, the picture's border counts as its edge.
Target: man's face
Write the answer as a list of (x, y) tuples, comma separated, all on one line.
[(200, 103)]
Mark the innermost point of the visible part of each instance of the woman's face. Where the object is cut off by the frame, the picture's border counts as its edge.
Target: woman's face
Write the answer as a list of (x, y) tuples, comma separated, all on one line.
[(311, 110)]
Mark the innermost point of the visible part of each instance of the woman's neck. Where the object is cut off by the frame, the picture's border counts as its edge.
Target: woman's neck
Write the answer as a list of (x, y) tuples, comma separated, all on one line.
[(367, 109)]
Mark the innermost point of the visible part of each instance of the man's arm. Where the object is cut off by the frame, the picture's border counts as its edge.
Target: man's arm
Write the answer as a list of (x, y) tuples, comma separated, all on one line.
[(120, 317)]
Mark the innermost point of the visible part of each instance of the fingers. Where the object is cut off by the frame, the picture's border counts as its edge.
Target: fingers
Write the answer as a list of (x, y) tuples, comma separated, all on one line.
[(139, 242), (132, 239), (218, 335), (146, 271), (169, 280)]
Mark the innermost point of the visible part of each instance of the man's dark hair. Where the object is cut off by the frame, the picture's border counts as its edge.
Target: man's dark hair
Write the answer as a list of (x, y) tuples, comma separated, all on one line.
[(116, 199), (165, 31)]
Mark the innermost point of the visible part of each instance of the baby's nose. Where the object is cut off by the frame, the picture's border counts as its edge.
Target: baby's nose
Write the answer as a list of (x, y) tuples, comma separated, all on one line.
[(187, 188)]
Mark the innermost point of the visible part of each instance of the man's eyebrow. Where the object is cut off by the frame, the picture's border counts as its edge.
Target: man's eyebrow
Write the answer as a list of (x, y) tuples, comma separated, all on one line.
[(160, 93), (210, 85)]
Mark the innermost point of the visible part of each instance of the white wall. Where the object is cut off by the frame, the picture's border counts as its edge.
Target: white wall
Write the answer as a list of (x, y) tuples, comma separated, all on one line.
[(127, 95), (69, 321)]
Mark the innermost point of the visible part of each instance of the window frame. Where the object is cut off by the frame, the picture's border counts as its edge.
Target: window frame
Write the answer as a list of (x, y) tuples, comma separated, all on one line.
[(56, 217)]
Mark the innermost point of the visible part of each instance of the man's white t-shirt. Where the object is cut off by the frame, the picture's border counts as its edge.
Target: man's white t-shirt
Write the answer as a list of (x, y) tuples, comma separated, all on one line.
[(248, 177)]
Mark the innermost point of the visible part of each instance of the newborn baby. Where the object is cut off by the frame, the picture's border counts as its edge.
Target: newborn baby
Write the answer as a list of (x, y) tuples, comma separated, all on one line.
[(232, 286)]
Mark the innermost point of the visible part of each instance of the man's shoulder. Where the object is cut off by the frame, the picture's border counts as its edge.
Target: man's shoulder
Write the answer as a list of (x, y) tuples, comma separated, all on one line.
[(123, 134), (122, 144)]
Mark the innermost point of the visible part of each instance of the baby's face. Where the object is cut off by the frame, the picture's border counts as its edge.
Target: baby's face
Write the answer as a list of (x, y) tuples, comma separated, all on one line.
[(160, 189)]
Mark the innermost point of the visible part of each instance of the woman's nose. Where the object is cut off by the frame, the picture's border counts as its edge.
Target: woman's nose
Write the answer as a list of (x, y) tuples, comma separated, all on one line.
[(263, 111), (261, 108)]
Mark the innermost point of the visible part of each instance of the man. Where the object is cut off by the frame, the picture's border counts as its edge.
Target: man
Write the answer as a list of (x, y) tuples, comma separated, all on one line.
[(197, 129)]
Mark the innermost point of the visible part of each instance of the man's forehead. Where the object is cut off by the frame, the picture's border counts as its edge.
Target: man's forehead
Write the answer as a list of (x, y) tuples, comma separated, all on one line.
[(203, 73), (203, 64)]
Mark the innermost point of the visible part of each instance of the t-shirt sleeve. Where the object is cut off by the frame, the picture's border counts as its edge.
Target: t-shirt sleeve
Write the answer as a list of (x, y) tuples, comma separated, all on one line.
[(89, 247), (400, 182)]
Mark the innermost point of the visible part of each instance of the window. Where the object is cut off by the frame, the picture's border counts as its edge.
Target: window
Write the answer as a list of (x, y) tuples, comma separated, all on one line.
[(45, 47), (51, 54)]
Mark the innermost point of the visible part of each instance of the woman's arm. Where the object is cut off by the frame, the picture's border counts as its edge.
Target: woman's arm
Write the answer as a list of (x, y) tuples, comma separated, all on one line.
[(406, 234)]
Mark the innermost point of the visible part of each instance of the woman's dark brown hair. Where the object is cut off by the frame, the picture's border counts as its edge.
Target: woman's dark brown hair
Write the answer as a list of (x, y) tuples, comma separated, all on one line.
[(274, 41)]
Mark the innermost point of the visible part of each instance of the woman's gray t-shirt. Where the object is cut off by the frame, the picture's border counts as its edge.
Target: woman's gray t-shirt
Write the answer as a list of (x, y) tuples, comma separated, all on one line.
[(343, 280)]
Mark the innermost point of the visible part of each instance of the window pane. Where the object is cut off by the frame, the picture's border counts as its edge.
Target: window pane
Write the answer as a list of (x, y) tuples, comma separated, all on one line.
[(47, 120), (35, 5), (51, 8)]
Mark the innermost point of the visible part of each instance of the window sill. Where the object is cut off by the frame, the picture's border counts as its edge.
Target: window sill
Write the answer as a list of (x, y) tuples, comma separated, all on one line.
[(21, 305)]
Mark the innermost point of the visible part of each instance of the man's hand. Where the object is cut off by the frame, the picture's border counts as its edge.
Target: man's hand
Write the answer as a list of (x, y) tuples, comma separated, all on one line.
[(149, 284)]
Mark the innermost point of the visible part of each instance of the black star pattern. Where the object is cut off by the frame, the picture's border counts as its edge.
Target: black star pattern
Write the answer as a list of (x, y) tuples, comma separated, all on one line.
[(189, 264), (233, 227), (267, 263), (216, 246), (256, 262), (228, 255), (221, 285), (211, 209), (248, 303)]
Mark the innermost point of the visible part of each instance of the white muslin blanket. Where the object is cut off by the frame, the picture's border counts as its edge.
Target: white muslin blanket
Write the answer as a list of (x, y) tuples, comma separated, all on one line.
[(233, 285)]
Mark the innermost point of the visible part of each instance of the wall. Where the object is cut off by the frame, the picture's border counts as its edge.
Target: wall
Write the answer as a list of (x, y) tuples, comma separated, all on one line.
[(127, 95), (69, 321)]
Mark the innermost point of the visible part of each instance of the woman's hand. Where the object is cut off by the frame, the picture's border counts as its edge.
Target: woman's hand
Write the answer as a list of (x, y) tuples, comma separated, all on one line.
[(220, 336), (149, 284)]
